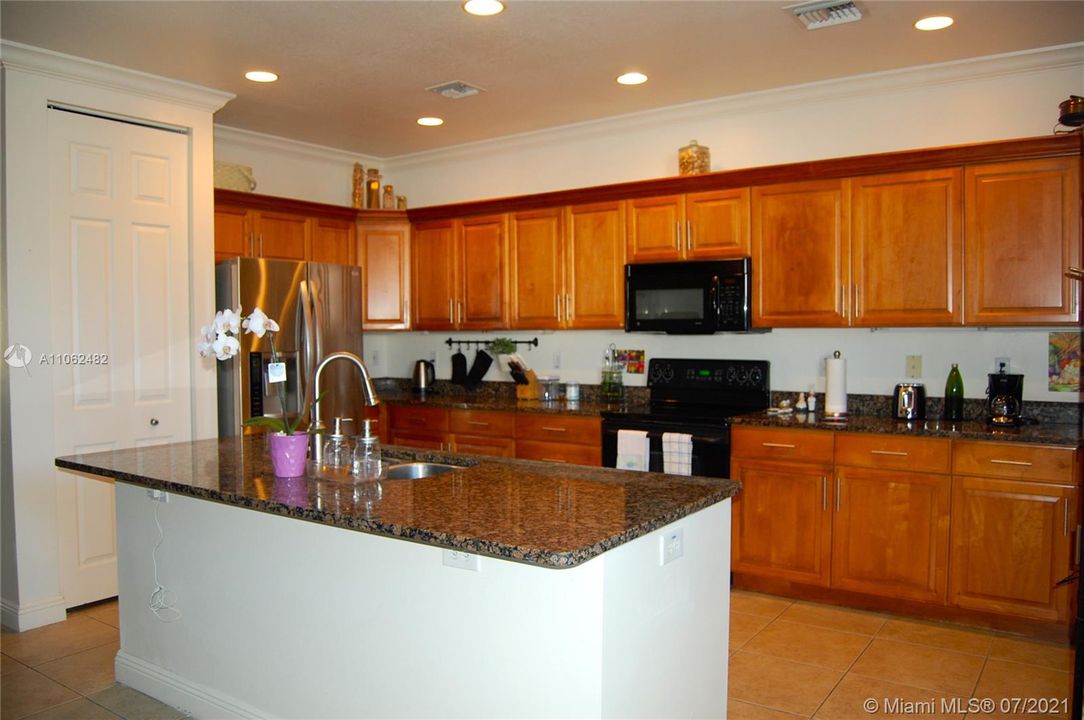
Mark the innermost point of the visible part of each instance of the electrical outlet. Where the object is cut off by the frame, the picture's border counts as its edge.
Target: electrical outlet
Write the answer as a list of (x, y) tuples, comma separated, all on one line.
[(159, 495), (557, 360), (460, 559), (1002, 361), (671, 546), (913, 370)]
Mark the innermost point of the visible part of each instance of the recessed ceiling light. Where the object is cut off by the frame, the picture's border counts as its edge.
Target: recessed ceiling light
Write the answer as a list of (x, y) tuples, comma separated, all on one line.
[(936, 22), (430, 121), (261, 76), (483, 7), (632, 78)]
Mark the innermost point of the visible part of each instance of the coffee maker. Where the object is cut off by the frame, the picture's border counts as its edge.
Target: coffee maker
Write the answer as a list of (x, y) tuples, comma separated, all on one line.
[(1004, 398)]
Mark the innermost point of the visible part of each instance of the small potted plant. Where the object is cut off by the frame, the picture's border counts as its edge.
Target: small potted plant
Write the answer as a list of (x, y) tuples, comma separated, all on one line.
[(288, 447), (502, 347)]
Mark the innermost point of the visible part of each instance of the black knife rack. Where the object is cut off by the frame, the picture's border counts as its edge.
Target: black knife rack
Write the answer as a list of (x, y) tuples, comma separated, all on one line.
[(482, 343)]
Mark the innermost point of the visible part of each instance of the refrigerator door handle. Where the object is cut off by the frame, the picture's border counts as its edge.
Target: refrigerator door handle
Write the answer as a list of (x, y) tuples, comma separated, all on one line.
[(308, 344), (318, 322)]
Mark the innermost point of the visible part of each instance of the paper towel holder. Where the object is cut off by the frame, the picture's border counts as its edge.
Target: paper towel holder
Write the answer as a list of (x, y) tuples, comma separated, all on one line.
[(835, 408)]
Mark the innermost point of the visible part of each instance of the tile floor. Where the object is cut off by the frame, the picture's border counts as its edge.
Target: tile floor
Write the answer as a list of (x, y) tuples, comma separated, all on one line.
[(787, 660), (65, 672), (791, 659)]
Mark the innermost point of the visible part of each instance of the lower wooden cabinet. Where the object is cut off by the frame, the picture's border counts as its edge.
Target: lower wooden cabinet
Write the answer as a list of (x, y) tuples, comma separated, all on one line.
[(559, 438), (973, 525)]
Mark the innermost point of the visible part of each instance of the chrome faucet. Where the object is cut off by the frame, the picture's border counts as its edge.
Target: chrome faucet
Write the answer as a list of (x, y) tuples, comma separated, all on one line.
[(317, 427)]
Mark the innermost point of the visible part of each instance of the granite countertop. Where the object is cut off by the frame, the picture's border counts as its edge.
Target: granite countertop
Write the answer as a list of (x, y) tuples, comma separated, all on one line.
[(564, 407), (1043, 433), (543, 514)]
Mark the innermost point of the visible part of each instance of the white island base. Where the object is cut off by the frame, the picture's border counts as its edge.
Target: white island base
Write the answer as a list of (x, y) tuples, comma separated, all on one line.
[(283, 618)]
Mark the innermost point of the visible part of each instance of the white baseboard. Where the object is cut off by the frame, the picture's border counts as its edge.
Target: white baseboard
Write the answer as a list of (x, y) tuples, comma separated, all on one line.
[(175, 691), (31, 615)]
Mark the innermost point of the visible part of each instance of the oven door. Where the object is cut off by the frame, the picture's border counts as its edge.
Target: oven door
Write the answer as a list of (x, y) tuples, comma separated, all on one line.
[(711, 443)]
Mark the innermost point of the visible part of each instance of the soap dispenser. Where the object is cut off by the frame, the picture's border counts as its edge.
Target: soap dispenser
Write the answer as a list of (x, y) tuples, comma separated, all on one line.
[(367, 461), (336, 451)]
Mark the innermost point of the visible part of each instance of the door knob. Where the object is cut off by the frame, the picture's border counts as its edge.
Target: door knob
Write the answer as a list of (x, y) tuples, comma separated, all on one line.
[(154, 422)]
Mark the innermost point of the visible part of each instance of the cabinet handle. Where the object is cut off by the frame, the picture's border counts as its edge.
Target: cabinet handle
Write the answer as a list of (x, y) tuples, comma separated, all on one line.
[(896, 453), (479, 423), (689, 235), (554, 429), (261, 244), (451, 311), (839, 494), (557, 306), (677, 235), (788, 446), (857, 300), (1075, 273), (1065, 520), (568, 307), (557, 460), (252, 244), (1079, 543), (459, 310), (843, 299), (1021, 463), (824, 493)]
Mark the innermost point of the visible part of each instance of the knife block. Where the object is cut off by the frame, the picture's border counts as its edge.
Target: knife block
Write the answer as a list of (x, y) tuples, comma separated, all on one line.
[(530, 391)]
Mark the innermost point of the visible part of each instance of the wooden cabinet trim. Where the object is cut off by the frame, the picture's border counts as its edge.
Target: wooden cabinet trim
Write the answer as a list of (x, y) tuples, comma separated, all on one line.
[(257, 201)]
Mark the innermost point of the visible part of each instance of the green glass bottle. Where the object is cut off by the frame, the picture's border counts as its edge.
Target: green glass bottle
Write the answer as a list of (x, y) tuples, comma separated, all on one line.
[(954, 395)]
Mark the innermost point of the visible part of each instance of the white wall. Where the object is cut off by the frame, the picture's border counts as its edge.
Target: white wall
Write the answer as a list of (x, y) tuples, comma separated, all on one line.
[(987, 99), (32, 78), (293, 169)]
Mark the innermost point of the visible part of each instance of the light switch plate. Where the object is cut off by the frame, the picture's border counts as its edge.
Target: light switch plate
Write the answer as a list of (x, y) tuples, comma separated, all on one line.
[(671, 546), (913, 370), (460, 559)]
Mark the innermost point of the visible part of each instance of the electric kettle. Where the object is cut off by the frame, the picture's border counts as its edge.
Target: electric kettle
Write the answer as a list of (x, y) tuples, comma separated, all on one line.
[(910, 401), (424, 374)]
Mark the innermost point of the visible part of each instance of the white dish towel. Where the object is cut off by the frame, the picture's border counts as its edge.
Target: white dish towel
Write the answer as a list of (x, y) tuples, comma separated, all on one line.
[(677, 453), (633, 450)]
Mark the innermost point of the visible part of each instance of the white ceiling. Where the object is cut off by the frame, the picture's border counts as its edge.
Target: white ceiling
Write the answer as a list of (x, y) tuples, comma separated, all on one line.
[(353, 74)]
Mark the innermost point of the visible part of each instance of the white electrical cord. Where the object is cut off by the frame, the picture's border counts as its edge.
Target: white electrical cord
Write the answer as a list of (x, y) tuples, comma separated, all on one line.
[(160, 605)]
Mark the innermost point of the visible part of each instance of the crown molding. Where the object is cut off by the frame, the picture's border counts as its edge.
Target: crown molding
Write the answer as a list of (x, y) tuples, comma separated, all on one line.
[(866, 85), (46, 63), (273, 143)]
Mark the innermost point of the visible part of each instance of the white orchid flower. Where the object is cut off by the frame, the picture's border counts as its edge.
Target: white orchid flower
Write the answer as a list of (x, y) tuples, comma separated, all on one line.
[(225, 346), (207, 332), (228, 320), (206, 348), (258, 323)]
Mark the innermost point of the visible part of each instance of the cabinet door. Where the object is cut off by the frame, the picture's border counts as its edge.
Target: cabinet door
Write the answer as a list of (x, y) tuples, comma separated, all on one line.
[(782, 526), (656, 228), (333, 241), (907, 249), (717, 224), (1011, 543), (232, 232), (483, 253), (281, 236), (890, 533), (484, 445), (384, 256), (429, 441), (558, 452), (595, 266), (1023, 233), (801, 243), (536, 262), (433, 276)]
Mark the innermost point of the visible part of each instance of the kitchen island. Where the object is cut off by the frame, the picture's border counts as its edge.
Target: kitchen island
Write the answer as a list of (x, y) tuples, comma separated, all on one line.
[(507, 588)]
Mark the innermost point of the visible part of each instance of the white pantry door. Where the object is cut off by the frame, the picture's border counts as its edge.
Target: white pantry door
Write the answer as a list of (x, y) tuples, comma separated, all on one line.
[(118, 207)]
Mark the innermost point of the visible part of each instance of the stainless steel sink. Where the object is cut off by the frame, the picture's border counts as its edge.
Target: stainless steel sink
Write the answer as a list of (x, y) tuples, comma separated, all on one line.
[(416, 470)]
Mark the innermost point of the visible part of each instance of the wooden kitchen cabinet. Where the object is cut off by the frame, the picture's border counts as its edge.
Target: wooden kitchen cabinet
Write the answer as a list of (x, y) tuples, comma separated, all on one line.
[(567, 267), (1014, 528), (482, 432), (384, 255), (890, 525), (281, 235), (559, 438), (782, 523), (800, 251), (1023, 233), (333, 241), (232, 234), (907, 249), (697, 226), (459, 274)]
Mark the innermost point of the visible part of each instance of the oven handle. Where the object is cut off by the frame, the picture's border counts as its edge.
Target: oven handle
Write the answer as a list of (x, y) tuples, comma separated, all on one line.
[(722, 439)]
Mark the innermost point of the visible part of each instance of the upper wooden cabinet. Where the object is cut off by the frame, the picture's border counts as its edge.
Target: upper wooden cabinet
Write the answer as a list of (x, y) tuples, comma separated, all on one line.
[(907, 249), (566, 267), (384, 255), (801, 245), (333, 241), (459, 278), (697, 226), (1023, 233)]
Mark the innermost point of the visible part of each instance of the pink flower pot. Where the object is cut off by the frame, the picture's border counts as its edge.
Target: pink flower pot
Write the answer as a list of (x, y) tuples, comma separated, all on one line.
[(288, 454)]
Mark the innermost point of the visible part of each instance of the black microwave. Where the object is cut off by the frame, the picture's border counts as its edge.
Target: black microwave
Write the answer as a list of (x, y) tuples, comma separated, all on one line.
[(698, 297)]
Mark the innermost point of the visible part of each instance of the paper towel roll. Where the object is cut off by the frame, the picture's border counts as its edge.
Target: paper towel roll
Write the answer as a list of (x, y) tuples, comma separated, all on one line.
[(835, 393)]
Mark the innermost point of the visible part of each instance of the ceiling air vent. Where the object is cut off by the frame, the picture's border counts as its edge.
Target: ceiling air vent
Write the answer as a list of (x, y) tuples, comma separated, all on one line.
[(455, 90), (824, 13)]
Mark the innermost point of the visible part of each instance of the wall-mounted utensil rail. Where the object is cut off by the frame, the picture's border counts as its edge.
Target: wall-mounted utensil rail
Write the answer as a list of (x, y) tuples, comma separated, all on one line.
[(482, 343)]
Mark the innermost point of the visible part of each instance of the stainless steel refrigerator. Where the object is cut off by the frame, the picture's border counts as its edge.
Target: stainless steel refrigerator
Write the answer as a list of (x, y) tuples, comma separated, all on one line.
[(318, 309)]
